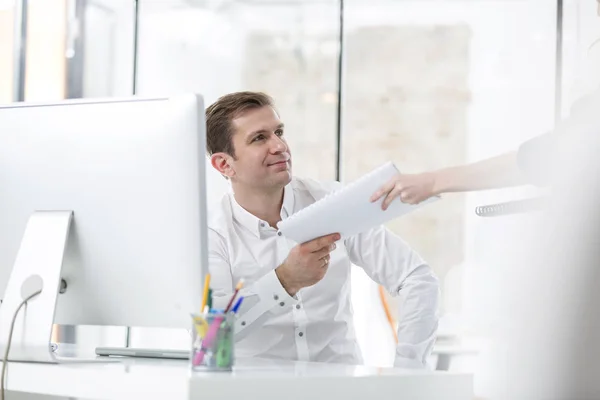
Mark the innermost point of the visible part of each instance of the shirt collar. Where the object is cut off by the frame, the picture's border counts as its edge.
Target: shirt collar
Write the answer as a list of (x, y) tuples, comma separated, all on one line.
[(255, 224)]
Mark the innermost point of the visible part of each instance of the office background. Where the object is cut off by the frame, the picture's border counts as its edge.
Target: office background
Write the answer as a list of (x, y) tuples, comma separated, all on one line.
[(425, 83)]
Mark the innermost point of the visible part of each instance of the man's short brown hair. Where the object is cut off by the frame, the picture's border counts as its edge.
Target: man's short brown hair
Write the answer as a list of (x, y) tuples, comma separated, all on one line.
[(221, 113)]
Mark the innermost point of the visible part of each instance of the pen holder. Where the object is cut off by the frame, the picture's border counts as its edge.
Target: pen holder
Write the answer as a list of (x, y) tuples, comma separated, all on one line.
[(212, 342)]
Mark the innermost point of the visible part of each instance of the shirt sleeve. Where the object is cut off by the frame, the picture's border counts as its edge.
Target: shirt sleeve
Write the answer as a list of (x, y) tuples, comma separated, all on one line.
[(262, 298), (390, 262)]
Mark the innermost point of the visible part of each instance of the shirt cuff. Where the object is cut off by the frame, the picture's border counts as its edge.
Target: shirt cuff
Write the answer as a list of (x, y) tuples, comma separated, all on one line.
[(273, 296), (272, 300)]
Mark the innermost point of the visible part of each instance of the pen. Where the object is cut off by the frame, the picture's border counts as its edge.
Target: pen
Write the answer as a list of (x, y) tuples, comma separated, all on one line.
[(224, 347), (237, 305), (235, 292), (209, 302), (224, 340)]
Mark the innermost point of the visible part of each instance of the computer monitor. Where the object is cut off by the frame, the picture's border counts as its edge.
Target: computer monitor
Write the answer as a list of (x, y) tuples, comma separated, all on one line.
[(132, 171)]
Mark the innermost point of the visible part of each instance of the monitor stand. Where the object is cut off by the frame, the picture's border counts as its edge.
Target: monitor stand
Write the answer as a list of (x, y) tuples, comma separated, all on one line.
[(37, 266)]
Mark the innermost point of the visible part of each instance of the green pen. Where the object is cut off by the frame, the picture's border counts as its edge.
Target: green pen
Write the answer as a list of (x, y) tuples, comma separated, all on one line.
[(209, 302), (224, 346)]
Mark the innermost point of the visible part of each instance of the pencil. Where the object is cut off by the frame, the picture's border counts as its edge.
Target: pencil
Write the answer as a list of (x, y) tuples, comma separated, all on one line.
[(205, 294)]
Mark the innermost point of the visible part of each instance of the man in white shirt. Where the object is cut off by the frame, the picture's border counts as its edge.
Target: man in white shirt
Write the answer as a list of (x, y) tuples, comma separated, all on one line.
[(297, 296)]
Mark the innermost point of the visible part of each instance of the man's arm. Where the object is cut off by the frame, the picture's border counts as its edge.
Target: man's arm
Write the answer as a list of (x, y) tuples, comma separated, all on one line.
[(269, 295), (262, 298), (389, 261)]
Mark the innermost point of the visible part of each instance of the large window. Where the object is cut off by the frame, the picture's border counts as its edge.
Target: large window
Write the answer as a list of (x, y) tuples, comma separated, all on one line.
[(73, 49), (435, 84), (286, 49), (104, 65), (45, 61)]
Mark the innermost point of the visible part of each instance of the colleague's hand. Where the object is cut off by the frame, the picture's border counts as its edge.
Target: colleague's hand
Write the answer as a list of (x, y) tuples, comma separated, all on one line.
[(410, 188), (306, 264)]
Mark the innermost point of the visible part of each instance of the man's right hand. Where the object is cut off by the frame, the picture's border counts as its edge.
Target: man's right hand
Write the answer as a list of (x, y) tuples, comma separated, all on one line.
[(306, 264)]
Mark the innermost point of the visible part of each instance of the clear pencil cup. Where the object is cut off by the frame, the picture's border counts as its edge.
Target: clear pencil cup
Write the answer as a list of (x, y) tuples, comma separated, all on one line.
[(212, 342)]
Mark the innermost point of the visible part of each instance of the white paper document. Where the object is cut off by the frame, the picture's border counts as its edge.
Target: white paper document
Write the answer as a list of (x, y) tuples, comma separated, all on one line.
[(348, 211)]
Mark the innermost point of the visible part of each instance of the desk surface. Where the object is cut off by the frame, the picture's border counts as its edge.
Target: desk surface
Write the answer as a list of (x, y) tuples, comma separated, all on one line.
[(259, 378)]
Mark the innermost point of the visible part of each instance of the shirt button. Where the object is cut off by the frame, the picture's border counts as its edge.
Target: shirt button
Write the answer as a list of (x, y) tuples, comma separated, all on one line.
[(282, 304), (262, 224), (297, 306), (243, 323), (275, 297), (301, 334), (278, 233)]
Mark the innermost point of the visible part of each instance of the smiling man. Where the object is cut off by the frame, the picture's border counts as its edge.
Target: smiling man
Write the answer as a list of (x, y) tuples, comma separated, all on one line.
[(297, 295)]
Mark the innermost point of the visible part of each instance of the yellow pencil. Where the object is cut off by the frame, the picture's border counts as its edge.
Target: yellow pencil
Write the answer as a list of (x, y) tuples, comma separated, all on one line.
[(205, 294)]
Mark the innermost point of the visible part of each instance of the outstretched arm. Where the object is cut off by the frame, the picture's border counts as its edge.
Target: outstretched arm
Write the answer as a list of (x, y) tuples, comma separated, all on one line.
[(495, 172)]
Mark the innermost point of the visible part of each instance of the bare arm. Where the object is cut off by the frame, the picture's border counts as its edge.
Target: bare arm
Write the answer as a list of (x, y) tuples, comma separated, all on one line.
[(495, 172)]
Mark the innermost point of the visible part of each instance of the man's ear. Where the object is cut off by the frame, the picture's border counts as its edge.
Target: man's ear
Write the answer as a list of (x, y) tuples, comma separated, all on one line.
[(222, 162)]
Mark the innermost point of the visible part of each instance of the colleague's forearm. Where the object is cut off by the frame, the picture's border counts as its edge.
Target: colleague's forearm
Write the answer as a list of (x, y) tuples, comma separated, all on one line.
[(496, 172)]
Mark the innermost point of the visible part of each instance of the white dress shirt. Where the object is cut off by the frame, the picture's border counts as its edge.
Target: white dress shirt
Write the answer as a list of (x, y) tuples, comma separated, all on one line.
[(317, 323)]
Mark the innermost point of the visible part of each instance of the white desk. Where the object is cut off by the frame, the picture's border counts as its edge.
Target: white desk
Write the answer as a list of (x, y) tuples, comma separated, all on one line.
[(276, 380), (446, 353), (251, 379)]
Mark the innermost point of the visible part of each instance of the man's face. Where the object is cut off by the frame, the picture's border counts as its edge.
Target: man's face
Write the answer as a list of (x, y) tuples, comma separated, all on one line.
[(262, 156)]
